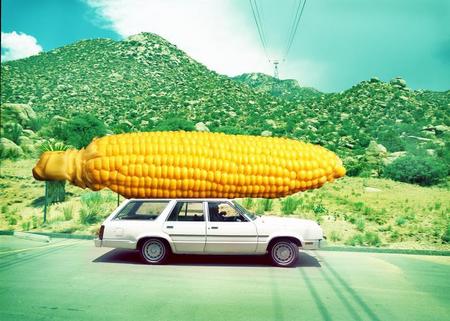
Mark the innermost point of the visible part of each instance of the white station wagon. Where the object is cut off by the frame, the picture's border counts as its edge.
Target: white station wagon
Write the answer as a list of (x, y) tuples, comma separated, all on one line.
[(161, 227)]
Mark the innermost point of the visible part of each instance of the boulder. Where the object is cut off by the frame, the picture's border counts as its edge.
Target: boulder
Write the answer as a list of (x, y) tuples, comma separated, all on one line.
[(201, 127), (266, 133), (398, 82), (392, 157), (17, 113), (440, 129), (8, 149), (371, 190)]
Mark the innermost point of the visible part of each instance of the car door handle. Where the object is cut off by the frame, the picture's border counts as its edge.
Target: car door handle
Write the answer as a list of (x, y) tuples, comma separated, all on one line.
[(169, 226), (214, 227)]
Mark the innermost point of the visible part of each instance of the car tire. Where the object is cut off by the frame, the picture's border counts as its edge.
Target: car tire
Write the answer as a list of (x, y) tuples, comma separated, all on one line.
[(154, 251), (283, 253)]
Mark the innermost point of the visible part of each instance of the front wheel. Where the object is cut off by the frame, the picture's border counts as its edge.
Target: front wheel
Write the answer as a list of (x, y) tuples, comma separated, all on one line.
[(154, 251), (284, 253)]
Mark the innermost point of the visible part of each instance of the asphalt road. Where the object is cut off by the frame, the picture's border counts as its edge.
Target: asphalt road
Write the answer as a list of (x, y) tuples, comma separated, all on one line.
[(73, 280)]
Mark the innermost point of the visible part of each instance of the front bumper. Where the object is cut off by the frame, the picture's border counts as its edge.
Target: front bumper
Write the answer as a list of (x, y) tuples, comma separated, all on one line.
[(313, 244)]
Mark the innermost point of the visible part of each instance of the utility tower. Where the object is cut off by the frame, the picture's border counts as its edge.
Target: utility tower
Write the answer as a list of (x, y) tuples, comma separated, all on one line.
[(276, 90)]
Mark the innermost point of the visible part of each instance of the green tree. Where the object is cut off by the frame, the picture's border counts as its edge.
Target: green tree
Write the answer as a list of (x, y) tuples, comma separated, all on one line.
[(416, 169), (81, 129)]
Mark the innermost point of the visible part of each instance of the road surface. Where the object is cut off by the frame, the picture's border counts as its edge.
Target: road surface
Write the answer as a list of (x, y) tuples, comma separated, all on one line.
[(73, 280)]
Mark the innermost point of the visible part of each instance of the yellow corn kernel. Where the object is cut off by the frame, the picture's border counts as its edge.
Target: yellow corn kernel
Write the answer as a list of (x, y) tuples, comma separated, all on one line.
[(193, 164)]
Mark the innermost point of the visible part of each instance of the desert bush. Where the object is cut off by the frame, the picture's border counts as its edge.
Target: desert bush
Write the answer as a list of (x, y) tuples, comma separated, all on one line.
[(264, 205), (37, 123), (88, 215), (80, 130), (12, 131), (319, 209), (247, 203), (34, 221), (360, 224), (400, 221), (395, 235), (372, 239), (446, 235), (289, 205), (68, 212), (416, 169), (175, 124), (355, 240), (335, 236), (366, 239), (26, 226)]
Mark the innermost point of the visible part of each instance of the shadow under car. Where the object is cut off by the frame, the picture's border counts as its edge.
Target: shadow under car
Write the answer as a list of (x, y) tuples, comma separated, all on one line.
[(122, 256)]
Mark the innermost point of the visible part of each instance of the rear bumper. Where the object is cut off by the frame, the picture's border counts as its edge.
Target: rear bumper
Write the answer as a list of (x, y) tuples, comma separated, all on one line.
[(98, 242), (120, 244)]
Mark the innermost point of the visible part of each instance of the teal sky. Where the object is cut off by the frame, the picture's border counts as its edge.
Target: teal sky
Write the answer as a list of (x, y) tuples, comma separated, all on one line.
[(339, 42)]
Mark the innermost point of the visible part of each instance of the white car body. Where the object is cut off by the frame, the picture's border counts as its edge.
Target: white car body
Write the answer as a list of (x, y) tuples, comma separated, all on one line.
[(246, 237)]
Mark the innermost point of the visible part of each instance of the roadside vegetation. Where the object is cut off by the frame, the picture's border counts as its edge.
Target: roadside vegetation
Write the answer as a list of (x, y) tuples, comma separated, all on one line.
[(353, 211)]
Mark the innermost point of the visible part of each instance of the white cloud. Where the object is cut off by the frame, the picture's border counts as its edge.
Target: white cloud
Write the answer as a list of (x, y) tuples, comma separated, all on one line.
[(216, 33), (18, 45)]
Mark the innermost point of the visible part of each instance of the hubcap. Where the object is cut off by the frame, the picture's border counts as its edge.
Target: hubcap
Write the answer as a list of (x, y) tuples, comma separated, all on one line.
[(154, 250), (283, 253)]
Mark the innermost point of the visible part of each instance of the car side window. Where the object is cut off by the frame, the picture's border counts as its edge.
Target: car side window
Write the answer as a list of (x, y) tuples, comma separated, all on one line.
[(142, 210), (187, 212), (224, 212)]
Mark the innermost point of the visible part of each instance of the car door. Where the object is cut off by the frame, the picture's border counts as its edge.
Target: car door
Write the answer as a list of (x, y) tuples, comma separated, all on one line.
[(187, 227), (228, 231)]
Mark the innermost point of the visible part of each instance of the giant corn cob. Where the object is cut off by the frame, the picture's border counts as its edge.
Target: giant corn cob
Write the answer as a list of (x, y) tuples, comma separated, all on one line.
[(193, 164)]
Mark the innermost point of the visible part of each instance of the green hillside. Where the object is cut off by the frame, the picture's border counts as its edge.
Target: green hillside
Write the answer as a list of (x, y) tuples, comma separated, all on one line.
[(140, 82), (144, 83)]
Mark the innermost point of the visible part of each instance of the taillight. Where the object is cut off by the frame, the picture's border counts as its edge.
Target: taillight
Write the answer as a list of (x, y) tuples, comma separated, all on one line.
[(100, 232)]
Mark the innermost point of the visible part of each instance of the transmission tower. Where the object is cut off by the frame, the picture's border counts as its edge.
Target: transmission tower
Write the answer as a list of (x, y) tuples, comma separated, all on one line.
[(276, 90)]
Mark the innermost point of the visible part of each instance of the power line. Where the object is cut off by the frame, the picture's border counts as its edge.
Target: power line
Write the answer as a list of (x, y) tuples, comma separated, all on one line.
[(258, 23), (294, 27)]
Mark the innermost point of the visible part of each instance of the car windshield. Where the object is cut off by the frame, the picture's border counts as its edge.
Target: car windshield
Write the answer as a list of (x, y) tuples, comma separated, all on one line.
[(251, 216)]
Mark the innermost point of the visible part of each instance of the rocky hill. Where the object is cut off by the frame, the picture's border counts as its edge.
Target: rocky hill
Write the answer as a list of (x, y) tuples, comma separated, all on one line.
[(283, 88), (135, 84)]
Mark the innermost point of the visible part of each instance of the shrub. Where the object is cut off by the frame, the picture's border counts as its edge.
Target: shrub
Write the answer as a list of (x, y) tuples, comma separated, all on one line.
[(268, 204), (68, 212), (175, 124), (360, 224), (372, 239), (80, 130), (335, 236), (400, 221), (12, 131), (263, 205), (446, 236), (247, 203), (366, 239), (37, 123), (357, 239), (88, 216), (395, 235), (289, 205), (34, 221), (319, 209), (26, 226), (91, 209), (416, 169)]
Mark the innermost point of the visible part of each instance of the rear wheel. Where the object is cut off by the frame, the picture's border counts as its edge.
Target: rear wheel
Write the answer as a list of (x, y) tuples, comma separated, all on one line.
[(154, 251), (283, 253)]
